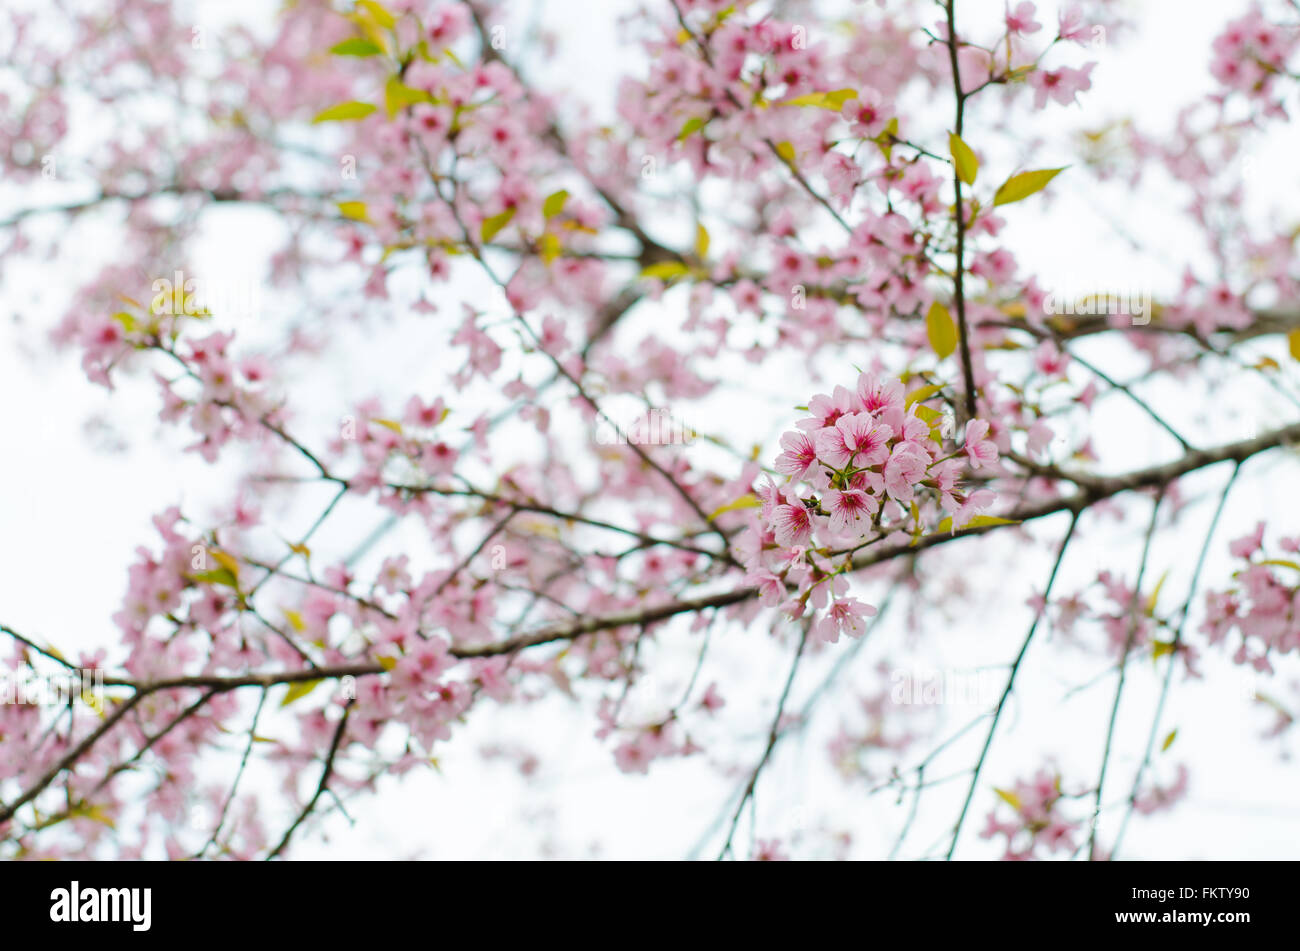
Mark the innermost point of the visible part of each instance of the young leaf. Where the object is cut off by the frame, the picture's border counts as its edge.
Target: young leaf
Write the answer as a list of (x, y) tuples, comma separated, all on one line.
[(226, 561), (379, 13), (833, 100), (355, 47), (1023, 185), (297, 690), (216, 576), (554, 204), (1293, 343), (963, 158), (354, 210), (1169, 740), (492, 226), (690, 126), (346, 111), (666, 270), (398, 95), (941, 330), (979, 521), (701, 242), (922, 393), (747, 501), (1155, 596), (1007, 796)]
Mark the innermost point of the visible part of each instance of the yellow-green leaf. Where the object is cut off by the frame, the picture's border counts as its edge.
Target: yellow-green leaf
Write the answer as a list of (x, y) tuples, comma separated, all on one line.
[(1169, 740), (747, 501), (979, 521), (666, 270), (491, 227), (386, 662), (1293, 343), (701, 242), (1007, 796), (216, 576), (346, 111), (96, 813), (355, 47), (941, 330), (833, 100), (355, 210), (1024, 184), (786, 151), (963, 158), (922, 393), (226, 561), (689, 126), (550, 248), (379, 13), (1281, 563), (392, 424), (297, 690), (1161, 648), (398, 95), (295, 619), (554, 203), (1155, 595)]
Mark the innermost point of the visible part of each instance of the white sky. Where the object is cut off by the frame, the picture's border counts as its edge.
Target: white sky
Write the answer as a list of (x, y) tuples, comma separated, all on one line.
[(72, 514)]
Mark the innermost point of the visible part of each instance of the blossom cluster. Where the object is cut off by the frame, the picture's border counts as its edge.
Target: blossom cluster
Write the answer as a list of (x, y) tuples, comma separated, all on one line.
[(1263, 607), (1037, 826), (864, 466)]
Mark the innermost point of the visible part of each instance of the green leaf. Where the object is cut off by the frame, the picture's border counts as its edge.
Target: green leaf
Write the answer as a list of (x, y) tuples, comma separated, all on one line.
[(1007, 796), (747, 501), (963, 158), (355, 210), (941, 330), (701, 242), (1281, 563), (492, 226), (299, 689), (96, 813), (833, 100), (126, 320), (355, 47), (1293, 343), (216, 576), (549, 248), (666, 270), (1155, 595), (1161, 648), (398, 95), (922, 393), (554, 204), (379, 13), (1169, 740), (1025, 184), (979, 521), (886, 138), (345, 111), (786, 151), (689, 126)]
